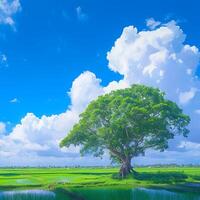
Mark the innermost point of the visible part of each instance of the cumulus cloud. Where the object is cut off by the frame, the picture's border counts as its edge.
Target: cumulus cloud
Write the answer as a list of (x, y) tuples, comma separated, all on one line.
[(162, 59), (84, 89), (152, 23), (158, 57), (7, 11), (40, 137)]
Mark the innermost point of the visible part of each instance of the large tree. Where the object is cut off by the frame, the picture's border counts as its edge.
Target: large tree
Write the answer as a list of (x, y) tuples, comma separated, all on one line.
[(126, 123)]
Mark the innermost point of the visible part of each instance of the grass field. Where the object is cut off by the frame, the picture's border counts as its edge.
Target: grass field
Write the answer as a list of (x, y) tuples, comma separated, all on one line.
[(51, 178)]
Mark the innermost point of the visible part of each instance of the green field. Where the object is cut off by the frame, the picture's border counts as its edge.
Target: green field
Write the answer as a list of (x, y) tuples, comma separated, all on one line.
[(182, 178)]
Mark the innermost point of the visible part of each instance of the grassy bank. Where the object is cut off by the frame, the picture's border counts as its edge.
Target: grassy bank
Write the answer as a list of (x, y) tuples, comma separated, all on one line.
[(182, 178)]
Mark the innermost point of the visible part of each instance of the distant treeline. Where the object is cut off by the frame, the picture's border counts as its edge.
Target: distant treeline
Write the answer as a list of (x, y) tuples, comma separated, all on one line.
[(109, 166)]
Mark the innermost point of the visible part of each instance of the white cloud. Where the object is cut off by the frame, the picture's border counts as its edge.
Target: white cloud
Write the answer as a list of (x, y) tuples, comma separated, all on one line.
[(152, 23), (185, 97), (40, 137), (80, 14), (7, 10), (189, 145), (114, 85), (15, 100), (2, 128), (84, 89), (158, 58)]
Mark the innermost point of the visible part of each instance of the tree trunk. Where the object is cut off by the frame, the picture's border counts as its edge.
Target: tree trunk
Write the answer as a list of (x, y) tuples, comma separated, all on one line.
[(126, 168)]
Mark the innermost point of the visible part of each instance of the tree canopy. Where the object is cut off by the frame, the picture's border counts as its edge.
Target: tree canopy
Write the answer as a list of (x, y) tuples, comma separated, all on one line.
[(126, 123)]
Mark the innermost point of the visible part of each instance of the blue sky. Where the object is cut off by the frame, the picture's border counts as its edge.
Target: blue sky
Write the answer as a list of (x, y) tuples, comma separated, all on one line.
[(45, 45), (51, 46)]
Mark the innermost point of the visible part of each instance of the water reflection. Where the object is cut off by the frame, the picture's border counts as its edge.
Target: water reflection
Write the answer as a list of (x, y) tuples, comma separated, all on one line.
[(99, 194), (147, 194), (28, 195), (135, 194)]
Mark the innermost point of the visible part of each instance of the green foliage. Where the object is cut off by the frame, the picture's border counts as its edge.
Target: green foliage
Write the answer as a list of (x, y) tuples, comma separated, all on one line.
[(128, 122), (162, 177)]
